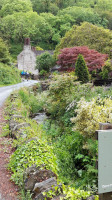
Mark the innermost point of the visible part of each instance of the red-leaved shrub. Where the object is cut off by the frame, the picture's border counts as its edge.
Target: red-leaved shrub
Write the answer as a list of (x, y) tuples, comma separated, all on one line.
[(94, 60)]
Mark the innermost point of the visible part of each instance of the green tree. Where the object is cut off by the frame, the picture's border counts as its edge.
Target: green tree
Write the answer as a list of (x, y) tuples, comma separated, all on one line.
[(81, 69), (44, 62), (89, 35), (4, 52), (11, 6), (80, 14), (41, 5), (20, 25)]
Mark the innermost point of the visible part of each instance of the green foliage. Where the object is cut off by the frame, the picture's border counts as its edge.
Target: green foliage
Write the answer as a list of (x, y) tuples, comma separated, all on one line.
[(42, 6), (73, 194), (4, 52), (45, 62), (81, 14), (75, 153), (89, 35), (105, 74), (29, 154), (39, 48), (61, 87), (89, 114), (11, 6), (17, 26), (9, 75), (15, 49), (43, 73), (107, 69), (35, 103), (81, 69)]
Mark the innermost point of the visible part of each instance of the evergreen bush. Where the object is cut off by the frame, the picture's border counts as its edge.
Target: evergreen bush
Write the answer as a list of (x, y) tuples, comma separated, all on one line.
[(81, 69)]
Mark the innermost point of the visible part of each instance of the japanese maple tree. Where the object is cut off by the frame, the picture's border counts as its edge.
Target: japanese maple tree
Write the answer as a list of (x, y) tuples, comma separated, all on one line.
[(94, 60)]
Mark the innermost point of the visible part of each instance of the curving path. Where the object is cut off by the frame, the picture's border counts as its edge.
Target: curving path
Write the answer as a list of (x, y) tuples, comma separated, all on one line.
[(8, 191), (7, 90)]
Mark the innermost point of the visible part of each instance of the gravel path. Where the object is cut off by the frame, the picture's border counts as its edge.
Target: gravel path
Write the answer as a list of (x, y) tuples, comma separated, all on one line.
[(8, 190)]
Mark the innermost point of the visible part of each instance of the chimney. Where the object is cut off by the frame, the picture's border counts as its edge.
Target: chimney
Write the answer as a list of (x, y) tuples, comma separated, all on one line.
[(27, 41)]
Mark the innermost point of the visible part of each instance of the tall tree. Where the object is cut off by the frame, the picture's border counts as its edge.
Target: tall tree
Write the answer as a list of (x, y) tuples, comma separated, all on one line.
[(89, 35), (11, 6)]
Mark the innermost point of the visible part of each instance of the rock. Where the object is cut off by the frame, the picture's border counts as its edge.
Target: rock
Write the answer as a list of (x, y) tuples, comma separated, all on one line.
[(45, 186), (35, 175), (45, 85), (40, 117), (17, 117), (12, 124), (39, 197), (91, 198), (17, 127)]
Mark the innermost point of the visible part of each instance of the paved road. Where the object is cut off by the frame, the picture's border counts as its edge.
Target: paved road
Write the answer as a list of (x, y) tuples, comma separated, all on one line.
[(7, 90)]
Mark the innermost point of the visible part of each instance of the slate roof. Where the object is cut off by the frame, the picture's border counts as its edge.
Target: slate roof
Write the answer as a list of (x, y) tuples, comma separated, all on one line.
[(38, 53)]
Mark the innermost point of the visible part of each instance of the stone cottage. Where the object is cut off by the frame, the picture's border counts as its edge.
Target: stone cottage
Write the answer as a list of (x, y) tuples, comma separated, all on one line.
[(26, 60)]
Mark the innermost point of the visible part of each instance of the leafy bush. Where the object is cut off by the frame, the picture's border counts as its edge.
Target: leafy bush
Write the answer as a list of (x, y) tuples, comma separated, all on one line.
[(29, 154), (106, 70), (9, 75), (81, 69), (73, 194), (43, 73), (45, 62), (89, 114), (35, 103), (94, 60), (61, 87)]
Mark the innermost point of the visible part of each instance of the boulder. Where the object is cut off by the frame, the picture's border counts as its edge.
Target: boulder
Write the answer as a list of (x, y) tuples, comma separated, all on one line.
[(21, 125), (35, 175), (12, 124), (45, 186)]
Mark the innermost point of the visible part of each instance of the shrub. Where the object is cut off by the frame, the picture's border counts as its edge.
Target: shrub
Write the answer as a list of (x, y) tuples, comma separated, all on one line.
[(61, 87), (93, 58), (35, 103), (89, 114), (106, 70), (29, 154), (9, 75), (44, 62), (81, 69), (43, 73)]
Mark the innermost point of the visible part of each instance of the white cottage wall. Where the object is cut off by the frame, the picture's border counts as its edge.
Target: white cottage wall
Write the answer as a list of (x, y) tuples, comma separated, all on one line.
[(27, 60)]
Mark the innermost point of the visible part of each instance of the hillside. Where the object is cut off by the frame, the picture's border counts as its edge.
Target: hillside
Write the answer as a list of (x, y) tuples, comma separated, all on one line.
[(46, 22)]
